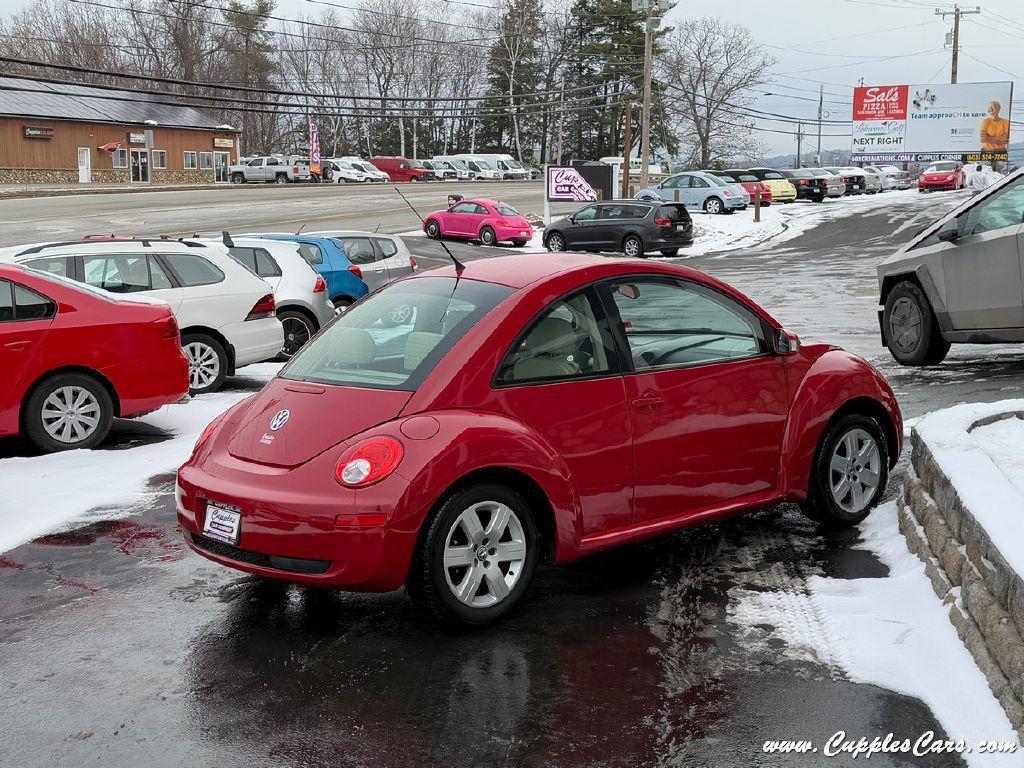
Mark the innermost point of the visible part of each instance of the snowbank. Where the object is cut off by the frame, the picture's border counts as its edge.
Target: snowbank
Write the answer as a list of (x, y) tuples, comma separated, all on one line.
[(44, 493), (892, 632)]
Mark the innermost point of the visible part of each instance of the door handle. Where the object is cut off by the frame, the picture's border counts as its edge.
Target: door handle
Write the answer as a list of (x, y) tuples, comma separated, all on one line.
[(17, 346), (648, 400)]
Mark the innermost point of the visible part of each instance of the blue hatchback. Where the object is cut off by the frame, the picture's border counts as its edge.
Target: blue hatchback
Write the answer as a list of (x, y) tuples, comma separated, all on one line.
[(327, 256)]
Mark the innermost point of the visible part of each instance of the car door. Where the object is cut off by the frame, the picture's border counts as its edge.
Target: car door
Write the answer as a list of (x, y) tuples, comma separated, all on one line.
[(608, 225), (697, 191), (582, 232), (361, 253), (396, 263), (562, 377), (25, 316), (707, 398), (982, 267), (458, 220)]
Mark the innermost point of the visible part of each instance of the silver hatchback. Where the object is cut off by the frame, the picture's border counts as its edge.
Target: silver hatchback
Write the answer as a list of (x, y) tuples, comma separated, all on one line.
[(959, 281)]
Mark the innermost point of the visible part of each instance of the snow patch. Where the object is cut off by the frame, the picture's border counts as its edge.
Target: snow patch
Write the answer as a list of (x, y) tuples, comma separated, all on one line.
[(892, 632)]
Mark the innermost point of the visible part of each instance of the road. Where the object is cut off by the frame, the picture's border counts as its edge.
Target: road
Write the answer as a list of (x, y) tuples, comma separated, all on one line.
[(118, 647)]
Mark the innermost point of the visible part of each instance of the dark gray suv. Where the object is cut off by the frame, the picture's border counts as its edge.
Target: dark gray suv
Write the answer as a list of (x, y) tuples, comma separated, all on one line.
[(631, 227)]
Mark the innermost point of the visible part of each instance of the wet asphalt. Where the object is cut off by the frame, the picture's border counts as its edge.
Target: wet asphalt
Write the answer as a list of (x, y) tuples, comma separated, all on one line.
[(118, 647)]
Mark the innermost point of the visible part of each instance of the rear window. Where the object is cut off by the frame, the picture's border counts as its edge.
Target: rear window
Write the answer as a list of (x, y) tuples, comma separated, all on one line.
[(772, 175), (747, 177), (674, 212), (363, 349), (506, 210)]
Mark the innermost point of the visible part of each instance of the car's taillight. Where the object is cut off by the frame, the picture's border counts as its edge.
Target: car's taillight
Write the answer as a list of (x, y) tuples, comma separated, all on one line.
[(356, 271), (265, 307), (320, 285), (412, 263), (369, 462), (502, 222), (295, 170), (663, 222), (167, 327)]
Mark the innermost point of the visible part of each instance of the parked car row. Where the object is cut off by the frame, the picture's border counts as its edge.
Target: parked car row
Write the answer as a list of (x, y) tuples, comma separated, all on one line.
[(285, 169)]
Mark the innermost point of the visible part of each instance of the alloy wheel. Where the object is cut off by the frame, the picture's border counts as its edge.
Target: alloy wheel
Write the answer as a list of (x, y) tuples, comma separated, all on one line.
[(854, 470), (713, 206), (556, 243), (71, 414), (906, 325), (632, 247), (296, 333), (484, 554), (203, 365)]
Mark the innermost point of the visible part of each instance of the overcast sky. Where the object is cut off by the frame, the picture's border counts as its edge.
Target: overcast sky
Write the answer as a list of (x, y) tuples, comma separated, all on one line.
[(840, 41)]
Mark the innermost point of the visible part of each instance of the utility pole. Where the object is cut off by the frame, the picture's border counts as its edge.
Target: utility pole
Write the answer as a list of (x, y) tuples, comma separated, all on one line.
[(627, 150), (821, 103), (956, 13), (799, 145), (561, 125), (649, 7)]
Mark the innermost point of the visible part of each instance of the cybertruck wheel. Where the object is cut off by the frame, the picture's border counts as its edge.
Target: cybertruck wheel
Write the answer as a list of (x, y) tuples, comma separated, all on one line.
[(851, 470), (477, 557), (911, 329)]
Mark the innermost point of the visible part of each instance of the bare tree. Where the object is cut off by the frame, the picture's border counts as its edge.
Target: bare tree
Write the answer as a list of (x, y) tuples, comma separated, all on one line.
[(709, 68)]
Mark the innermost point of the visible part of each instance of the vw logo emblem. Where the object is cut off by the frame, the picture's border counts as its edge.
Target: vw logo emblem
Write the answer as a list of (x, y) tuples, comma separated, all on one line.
[(279, 420)]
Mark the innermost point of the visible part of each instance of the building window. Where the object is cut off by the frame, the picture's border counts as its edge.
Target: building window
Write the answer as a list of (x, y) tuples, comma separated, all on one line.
[(206, 161), (160, 159), (190, 160), (119, 157)]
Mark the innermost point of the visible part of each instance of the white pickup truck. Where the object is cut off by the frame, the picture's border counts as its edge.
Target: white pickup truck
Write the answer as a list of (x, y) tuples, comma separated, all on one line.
[(278, 169)]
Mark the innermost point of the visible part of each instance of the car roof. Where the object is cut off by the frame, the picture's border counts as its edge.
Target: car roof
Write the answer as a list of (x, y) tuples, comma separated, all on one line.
[(106, 245), (521, 270)]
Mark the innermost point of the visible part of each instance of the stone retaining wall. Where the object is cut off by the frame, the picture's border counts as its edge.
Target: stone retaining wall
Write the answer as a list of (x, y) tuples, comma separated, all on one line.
[(101, 176), (967, 571)]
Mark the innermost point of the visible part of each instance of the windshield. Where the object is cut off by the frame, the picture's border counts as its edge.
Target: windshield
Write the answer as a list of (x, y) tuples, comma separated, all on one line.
[(362, 348), (484, 165), (459, 164), (416, 164), (344, 164), (515, 164), (941, 167)]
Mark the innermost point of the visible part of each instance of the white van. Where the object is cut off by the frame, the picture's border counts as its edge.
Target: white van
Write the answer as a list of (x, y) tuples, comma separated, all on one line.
[(506, 165), (478, 164), (635, 166)]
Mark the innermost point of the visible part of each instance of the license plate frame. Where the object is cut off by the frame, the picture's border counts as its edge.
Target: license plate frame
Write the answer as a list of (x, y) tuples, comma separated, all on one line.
[(222, 522)]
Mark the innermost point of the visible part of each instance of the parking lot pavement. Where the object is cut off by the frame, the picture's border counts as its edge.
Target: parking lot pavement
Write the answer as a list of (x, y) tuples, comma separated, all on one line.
[(118, 646)]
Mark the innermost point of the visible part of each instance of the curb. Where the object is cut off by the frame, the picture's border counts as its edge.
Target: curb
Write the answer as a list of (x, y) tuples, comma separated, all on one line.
[(967, 572)]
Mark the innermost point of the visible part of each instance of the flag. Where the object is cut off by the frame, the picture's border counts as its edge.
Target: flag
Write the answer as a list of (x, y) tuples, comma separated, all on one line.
[(314, 148), (111, 147)]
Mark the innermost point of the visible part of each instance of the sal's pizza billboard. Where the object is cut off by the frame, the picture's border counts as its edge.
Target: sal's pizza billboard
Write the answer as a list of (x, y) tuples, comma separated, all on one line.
[(969, 122)]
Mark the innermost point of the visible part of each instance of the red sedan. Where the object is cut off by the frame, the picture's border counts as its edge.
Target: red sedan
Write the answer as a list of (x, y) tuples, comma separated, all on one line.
[(530, 411), (489, 221), (73, 358), (939, 176)]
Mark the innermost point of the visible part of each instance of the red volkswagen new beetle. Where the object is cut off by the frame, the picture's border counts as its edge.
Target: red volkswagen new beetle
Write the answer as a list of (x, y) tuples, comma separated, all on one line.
[(530, 411), (489, 221), (72, 358)]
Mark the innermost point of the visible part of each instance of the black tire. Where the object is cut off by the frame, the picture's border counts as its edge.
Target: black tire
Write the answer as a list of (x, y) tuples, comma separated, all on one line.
[(281, 178), (238, 178), (298, 329), (555, 242), (342, 302), (821, 505), (911, 329), (714, 206), (433, 229), (198, 383), (101, 405), (518, 243), (633, 247), (487, 236), (428, 582), (669, 252), (415, 178), (818, 199)]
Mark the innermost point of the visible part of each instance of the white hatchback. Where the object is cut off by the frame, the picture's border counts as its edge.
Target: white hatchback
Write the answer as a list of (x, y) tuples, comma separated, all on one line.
[(225, 312)]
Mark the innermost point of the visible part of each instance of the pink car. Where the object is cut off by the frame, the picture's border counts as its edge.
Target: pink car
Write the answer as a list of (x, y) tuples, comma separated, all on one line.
[(489, 221)]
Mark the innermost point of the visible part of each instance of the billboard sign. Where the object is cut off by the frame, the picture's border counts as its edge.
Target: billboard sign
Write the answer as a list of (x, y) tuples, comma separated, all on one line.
[(968, 122), (568, 185)]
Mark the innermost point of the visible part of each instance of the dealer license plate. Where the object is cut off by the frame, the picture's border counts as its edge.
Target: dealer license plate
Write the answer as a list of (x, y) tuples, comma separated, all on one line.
[(856, 186), (680, 227), (222, 523)]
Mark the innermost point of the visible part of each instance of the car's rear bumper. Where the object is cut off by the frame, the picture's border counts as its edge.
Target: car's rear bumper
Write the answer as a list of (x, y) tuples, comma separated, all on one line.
[(505, 234), (254, 340), (163, 381)]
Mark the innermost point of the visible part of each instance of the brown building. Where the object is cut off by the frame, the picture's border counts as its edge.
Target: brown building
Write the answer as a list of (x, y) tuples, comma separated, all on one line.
[(53, 133)]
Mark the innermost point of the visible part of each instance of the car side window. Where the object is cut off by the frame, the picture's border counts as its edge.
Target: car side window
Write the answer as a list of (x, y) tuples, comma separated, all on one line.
[(464, 208), (6, 302), (698, 183), (193, 270), (481, 211), (116, 273), (265, 264), (1004, 208), (29, 305), (387, 247), (55, 265), (359, 250), (567, 341), (311, 253), (586, 214), (244, 256), (158, 278), (669, 323), (273, 161)]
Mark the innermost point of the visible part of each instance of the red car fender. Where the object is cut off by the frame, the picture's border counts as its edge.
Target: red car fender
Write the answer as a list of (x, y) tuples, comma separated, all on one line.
[(823, 384), (444, 447)]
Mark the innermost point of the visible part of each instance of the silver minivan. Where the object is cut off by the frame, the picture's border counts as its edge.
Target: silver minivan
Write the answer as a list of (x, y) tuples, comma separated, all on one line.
[(959, 281)]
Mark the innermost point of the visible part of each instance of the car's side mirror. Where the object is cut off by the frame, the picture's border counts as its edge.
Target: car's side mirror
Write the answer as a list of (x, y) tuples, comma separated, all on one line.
[(950, 231), (786, 343)]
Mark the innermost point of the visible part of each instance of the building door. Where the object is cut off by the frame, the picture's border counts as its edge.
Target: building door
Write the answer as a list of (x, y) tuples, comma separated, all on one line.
[(221, 161), (84, 165), (140, 165)]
